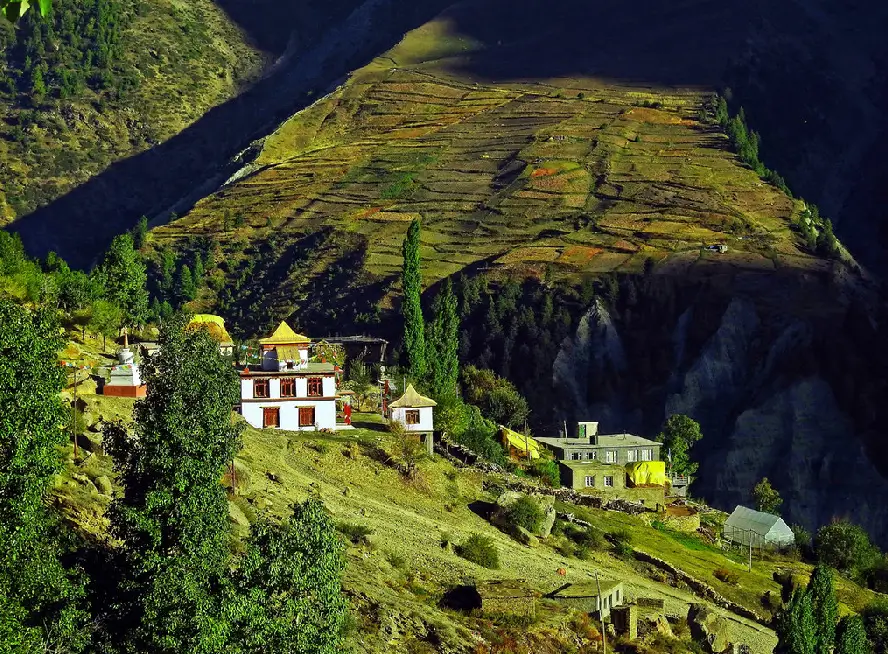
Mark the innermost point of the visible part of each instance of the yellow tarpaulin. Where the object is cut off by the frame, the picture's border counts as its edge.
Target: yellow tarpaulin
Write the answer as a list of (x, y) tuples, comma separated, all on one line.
[(647, 473), (525, 445)]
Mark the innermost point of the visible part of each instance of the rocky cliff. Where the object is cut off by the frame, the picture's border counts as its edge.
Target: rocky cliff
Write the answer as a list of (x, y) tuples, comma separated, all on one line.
[(770, 386)]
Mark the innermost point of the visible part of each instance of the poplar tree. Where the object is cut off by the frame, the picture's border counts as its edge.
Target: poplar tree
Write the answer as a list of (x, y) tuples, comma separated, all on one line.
[(796, 630), (442, 343), (852, 637), (411, 309), (172, 520), (826, 609), (39, 597)]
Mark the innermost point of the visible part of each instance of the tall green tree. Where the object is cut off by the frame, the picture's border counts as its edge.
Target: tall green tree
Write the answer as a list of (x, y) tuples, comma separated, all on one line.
[(852, 637), (825, 606), (105, 318), (122, 272), (140, 233), (411, 308), (442, 343), (172, 520), (796, 629), (766, 497), (186, 288), (287, 587), (678, 437), (41, 602)]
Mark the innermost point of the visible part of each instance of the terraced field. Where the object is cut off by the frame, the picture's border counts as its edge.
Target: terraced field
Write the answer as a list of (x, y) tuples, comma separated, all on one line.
[(547, 176)]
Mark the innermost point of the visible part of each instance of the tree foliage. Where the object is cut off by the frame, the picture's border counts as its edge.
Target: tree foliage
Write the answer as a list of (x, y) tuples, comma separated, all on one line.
[(442, 343), (122, 273), (411, 308), (41, 602), (796, 629), (852, 637), (678, 437), (844, 546), (766, 497), (173, 517), (825, 606), (497, 397), (287, 590)]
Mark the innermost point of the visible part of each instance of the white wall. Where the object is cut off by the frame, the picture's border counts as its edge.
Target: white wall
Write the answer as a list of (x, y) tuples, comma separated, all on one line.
[(426, 421), (325, 413)]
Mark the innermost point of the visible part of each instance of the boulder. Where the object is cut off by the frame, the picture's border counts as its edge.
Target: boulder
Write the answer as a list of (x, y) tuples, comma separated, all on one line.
[(548, 522), (508, 498), (103, 485), (91, 442), (709, 627), (662, 626)]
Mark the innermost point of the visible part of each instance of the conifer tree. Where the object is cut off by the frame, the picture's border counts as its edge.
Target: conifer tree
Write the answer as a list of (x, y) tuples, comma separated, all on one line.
[(38, 596), (796, 629), (411, 309), (442, 342), (122, 273), (826, 609), (852, 637), (185, 286)]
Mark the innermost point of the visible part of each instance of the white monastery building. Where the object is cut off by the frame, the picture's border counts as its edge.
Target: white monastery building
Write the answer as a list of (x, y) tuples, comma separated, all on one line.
[(415, 412), (287, 391)]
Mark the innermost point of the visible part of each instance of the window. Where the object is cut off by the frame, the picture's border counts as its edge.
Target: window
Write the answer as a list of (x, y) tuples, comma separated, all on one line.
[(271, 417), (610, 456), (590, 482), (291, 365), (575, 456), (647, 455), (609, 482), (260, 388), (411, 416), (315, 387), (288, 387), (306, 416), (593, 455), (631, 456)]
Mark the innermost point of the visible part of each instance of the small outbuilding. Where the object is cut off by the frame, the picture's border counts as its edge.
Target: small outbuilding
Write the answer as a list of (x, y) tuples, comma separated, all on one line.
[(747, 527), (415, 412)]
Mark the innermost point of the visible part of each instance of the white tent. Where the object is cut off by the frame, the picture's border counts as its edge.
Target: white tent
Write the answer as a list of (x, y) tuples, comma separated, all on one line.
[(747, 527)]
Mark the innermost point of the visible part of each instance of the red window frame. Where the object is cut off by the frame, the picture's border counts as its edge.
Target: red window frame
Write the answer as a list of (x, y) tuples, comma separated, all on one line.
[(315, 386), (306, 416), (273, 412), (288, 387), (261, 388), (411, 416)]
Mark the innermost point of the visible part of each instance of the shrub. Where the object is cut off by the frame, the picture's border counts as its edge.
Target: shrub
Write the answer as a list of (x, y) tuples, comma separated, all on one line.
[(727, 576), (547, 471), (844, 546), (479, 550), (591, 537), (622, 541), (525, 512), (875, 619), (355, 534)]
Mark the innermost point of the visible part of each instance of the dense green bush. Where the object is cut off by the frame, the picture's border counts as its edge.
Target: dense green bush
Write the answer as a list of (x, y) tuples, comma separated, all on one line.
[(525, 512), (480, 436), (547, 471), (846, 547), (479, 550), (497, 397), (727, 576), (875, 619)]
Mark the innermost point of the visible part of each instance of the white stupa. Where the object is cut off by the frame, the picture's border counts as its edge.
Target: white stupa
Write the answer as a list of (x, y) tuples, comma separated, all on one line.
[(125, 378)]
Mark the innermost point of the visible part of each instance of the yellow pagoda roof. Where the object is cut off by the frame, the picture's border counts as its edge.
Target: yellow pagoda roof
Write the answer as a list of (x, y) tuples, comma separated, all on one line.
[(214, 324), (412, 400), (284, 335)]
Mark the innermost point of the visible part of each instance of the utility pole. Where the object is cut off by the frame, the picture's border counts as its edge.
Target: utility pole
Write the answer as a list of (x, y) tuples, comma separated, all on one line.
[(750, 552), (601, 614), (74, 416)]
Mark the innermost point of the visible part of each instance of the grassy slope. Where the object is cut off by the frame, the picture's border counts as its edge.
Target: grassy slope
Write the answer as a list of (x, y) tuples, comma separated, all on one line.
[(189, 57), (569, 173)]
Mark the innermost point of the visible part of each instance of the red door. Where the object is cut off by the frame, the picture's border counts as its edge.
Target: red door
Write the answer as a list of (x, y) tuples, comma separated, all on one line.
[(271, 417)]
